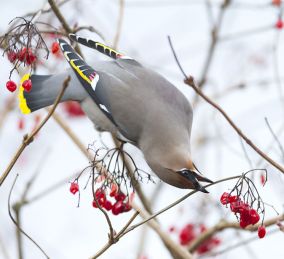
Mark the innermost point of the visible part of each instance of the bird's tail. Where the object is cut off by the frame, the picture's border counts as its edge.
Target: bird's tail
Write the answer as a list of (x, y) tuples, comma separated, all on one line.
[(35, 99), (46, 88)]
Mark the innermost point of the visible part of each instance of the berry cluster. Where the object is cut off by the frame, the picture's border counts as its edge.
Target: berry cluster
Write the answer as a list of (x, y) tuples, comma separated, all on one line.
[(246, 214), (24, 55), (121, 204), (189, 232)]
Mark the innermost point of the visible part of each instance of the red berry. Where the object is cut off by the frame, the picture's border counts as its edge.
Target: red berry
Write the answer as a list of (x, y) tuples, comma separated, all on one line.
[(120, 196), (27, 85), (117, 208), (224, 198), (279, 24), (55, 47), (107, 205), (203, 248), (261, 231), (100, 196), (238, 206), (262, 179), (11, 86), (94, 204), (74, 188), (254, 216), (233, 198), (186, 235), (12, 56)]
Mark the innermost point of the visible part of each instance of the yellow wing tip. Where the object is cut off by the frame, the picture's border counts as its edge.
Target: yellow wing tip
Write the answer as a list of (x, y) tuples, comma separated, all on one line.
[(22, 100)]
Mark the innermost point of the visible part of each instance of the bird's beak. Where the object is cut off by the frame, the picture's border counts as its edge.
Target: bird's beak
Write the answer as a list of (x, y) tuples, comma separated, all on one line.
[(193, 178)]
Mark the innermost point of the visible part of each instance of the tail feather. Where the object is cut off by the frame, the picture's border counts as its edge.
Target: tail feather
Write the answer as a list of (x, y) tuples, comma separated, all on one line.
[(33, 100)]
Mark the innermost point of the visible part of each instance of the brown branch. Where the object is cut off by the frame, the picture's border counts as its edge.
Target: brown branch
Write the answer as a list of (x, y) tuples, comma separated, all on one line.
[(63, 22), (27, 139), (190, 81), (214, 40), (20, 230), (222, 225), (119, 24), (116, 237)]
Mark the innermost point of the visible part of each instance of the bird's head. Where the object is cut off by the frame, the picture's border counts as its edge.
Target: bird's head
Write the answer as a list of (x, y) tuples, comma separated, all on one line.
[(181, 175)]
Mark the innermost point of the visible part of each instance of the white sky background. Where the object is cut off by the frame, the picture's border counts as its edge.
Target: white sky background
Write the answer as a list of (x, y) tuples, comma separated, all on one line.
[(64, 230)]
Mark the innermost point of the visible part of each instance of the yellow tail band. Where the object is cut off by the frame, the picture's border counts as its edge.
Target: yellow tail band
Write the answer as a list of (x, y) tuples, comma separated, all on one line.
[(22, 100)]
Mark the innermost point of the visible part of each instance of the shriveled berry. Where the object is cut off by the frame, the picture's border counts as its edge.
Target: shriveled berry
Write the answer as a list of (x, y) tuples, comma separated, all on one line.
[(27, 85), (117, 208), (127, 207), (22, 54), (261, 231), (11, 86), (54, 47), (31, 58), (12, 56), (74, 188)]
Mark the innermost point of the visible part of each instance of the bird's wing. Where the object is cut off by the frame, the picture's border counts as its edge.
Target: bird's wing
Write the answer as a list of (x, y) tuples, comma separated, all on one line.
[(87, 76), (118, 56)]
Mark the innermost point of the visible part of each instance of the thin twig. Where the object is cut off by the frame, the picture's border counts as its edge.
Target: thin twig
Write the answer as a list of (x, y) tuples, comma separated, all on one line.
[(223, 225), (191, 82), (119, 24), (16, 223), (63, 22), (27, 139)]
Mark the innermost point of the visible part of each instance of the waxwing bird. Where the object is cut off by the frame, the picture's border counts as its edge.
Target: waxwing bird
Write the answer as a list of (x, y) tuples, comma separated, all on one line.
[(129, 100)]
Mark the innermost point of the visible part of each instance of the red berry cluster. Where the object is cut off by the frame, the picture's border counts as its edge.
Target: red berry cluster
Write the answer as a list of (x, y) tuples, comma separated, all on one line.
[(189, 232), (248, 215), (120, 205), (73, 109), (24, 55)]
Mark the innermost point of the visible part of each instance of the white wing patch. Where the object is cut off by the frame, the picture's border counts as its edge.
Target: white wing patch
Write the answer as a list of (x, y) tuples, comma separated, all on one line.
[(95, 82), (104, 108)]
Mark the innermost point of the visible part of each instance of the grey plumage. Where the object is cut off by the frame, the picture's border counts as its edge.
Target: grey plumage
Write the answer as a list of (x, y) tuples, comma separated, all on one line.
[(134, 103)]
